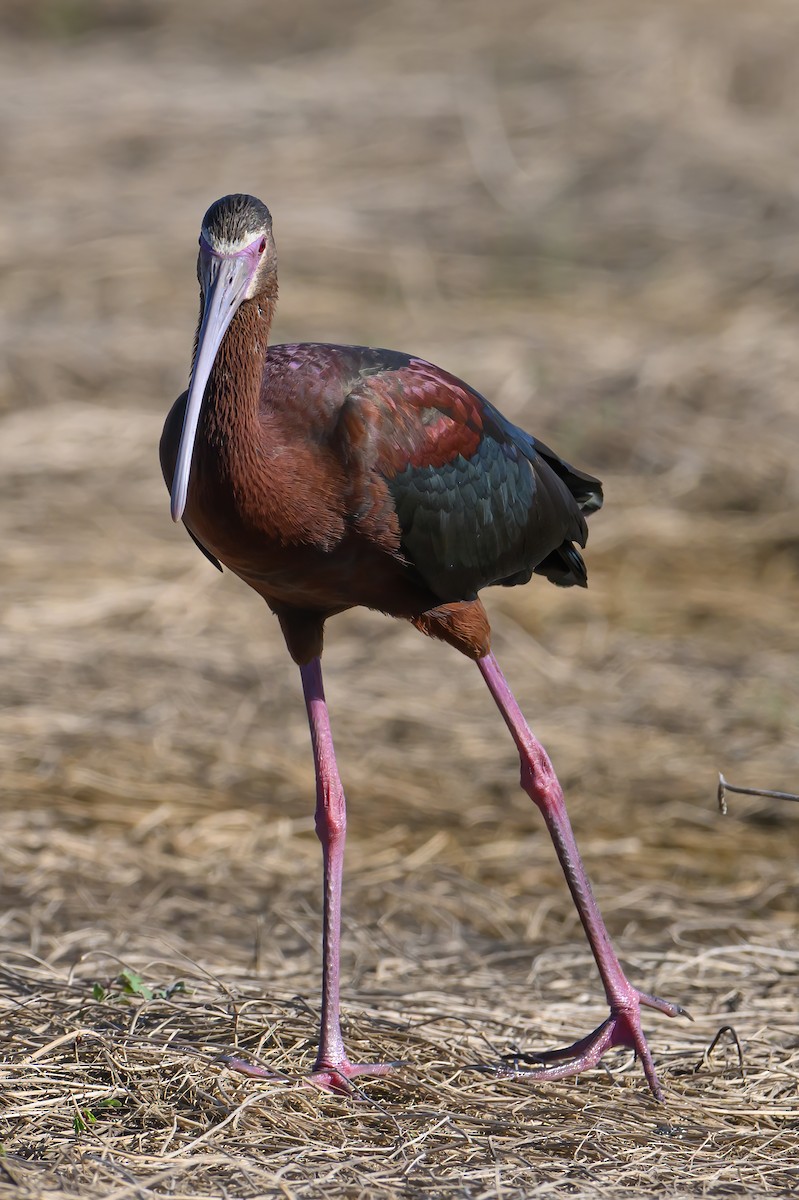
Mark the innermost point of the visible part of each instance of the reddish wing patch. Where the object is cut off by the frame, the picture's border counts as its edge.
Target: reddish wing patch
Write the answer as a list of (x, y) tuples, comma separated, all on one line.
[(379, 408), (419, 416)]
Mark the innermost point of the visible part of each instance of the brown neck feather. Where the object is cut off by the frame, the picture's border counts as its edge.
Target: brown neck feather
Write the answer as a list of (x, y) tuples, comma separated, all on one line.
[(230, 412)]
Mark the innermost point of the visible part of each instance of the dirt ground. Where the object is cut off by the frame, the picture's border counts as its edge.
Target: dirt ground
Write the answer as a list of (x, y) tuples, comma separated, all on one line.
[(591, 212)]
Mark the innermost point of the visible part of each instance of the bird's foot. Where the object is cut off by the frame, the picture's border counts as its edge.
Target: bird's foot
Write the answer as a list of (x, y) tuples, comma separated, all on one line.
[(621, 1028), (325, 1076), (339, 1078)]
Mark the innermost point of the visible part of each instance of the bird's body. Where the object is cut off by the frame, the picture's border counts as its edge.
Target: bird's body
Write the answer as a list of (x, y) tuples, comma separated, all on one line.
[(329, 477), (356, 476)]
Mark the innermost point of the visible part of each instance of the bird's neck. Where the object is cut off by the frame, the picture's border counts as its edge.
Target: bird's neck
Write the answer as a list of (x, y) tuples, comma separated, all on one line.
[(230, 412)]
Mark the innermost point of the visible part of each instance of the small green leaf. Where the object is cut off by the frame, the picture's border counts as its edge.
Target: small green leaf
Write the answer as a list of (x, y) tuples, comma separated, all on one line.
[(134, 985)]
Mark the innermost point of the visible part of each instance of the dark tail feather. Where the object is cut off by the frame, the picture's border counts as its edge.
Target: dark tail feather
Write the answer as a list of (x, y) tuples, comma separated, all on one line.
[(587, 490), (564, 566)]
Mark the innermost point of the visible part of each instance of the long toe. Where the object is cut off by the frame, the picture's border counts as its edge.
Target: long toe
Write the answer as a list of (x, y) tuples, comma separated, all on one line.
[(570, 1060), (251, 1070), (574, 1051), (328, 1078), (664, 1006)]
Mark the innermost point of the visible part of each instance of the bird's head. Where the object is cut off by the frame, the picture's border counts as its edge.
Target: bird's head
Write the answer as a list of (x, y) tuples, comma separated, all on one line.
[(237, 262)]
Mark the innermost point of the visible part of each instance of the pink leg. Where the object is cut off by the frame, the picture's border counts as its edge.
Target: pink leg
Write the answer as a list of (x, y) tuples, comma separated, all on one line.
[(332, 1068), (623, 1026)]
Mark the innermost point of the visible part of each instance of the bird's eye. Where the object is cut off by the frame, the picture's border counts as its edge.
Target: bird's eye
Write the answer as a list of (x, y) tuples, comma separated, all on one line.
[(262, 246)]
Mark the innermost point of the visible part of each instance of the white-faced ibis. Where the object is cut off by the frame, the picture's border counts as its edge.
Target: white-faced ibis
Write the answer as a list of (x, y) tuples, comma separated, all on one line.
[(328, 477)]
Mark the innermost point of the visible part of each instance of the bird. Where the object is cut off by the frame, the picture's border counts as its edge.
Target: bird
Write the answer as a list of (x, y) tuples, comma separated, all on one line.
[(331, 477)]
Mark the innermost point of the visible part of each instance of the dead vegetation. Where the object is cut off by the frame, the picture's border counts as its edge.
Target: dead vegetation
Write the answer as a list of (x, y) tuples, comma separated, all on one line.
[(591, 215)]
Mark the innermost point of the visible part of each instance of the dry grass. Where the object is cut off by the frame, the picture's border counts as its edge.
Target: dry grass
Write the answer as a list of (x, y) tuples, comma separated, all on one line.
[(591, 214)]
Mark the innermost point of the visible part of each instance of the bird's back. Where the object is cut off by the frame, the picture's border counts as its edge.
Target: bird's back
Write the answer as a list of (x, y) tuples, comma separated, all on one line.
[(472, 499)]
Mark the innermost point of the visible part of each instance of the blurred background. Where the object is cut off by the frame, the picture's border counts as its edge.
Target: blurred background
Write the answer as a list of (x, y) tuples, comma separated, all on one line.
[(591, 213)]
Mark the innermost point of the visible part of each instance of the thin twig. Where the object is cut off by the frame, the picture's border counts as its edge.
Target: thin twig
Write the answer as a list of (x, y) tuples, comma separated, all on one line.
[(736, 1042), (725, 787)]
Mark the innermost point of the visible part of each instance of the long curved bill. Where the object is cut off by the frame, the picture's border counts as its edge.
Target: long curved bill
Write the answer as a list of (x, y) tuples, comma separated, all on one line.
[(225, 280)]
